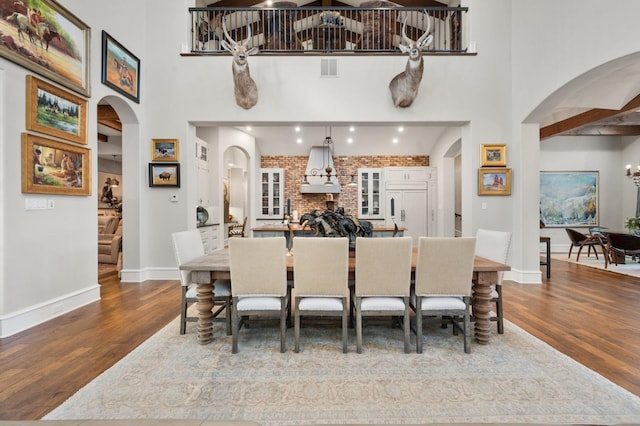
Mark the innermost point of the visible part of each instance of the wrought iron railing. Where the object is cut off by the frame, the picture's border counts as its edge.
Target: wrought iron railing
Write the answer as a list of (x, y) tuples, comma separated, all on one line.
[(332, 30)]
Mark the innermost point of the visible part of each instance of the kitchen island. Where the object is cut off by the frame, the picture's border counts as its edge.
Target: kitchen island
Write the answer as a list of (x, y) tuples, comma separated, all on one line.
[(298, 231)]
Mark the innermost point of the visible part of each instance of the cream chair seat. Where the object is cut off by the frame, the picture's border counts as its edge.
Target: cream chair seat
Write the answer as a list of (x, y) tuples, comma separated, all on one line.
[(494, 245), (258, 269), (187, 245), (383, 282), (321, 272), (444, 270)]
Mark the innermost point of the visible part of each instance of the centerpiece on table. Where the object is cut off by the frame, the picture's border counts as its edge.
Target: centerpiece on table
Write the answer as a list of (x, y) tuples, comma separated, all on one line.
[(336, 223)]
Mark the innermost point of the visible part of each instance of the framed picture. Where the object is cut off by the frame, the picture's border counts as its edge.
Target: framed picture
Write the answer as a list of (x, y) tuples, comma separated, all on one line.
[(494, 181), (164, 150), (52, 167), (164, 174), (49, 41), (493, 155), (55, 112), (120, 68), (569, 199)]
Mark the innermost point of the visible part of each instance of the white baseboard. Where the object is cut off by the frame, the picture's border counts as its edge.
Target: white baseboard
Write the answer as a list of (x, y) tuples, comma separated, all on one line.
[(140, 275), (16, 322), (523, 277)]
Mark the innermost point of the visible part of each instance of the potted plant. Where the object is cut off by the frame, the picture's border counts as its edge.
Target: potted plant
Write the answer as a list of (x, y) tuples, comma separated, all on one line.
[(633, 225)]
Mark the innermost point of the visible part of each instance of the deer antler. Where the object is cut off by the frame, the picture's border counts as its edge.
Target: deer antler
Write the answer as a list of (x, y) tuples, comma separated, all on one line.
[(226, 34), (422, 38)]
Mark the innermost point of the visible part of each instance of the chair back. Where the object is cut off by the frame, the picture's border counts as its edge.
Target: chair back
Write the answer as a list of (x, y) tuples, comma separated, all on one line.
[(575, 236), (258, 266), (493, 245), (624, 242), (321, 266), (383, 266), (444, 266), (187, 245)]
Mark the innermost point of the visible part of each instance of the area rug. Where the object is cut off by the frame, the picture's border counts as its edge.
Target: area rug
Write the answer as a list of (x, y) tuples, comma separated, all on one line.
[(515, 379), (630, 268)]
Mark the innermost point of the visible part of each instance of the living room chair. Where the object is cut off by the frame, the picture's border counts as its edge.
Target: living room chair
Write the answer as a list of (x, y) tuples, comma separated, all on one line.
[(580, 240), (321, 272), (187, 245), (621, 245), (258, 269), (444, 270), (494, 245), (383, 282), (110, 243)]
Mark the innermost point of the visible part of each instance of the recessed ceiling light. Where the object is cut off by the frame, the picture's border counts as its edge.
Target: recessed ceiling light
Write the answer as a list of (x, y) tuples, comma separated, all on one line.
[(269, 3), (350, 140), (395, 140), (248, 128), (401, 129), (297, 128), (352, 129), (299, 140)]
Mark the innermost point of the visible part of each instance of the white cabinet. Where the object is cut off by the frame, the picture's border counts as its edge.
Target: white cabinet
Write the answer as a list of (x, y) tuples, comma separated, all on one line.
[(270, 202), (407, 175), (370, 194), (209, 235)]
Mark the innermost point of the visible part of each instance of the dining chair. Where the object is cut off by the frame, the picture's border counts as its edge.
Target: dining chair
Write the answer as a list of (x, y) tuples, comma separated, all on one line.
[(187, 246), (580, 240), (444, 270), (622, 245), (494, 245), (383, 282), (258, 270), (320, 275)]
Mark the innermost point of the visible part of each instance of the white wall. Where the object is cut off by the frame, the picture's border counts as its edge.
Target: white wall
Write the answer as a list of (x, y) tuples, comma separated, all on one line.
[(525, 53)]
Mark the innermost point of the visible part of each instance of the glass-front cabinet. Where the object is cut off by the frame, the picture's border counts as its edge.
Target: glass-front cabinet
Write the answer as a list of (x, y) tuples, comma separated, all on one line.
[(370, 194), (271, 193)]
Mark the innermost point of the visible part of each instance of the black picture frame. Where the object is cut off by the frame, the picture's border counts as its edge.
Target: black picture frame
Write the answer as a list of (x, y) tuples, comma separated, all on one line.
[(164, 175), (120, 68)]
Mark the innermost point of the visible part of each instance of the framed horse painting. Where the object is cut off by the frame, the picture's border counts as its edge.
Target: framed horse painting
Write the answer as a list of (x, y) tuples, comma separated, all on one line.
[(47, 39), (120, 68)]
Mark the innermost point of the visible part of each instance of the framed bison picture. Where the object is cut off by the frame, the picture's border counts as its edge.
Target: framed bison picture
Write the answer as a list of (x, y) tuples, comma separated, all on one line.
[(164, 150), (120, 68), (164, 174)]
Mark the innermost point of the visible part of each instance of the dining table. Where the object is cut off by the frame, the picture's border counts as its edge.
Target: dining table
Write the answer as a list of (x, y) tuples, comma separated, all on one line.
[(206, 269)]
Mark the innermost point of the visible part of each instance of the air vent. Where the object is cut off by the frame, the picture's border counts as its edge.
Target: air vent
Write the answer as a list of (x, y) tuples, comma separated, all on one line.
[(329, 67)]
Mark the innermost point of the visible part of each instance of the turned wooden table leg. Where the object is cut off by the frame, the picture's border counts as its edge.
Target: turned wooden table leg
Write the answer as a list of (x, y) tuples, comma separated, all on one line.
[(204, 305), (482, 305)]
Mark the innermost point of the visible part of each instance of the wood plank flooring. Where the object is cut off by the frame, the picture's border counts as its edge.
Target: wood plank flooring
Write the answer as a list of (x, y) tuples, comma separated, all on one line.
[(588, 314)]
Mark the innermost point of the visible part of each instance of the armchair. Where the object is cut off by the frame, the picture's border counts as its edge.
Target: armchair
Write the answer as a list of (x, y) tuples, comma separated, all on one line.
[(621, 245), (110, 245)]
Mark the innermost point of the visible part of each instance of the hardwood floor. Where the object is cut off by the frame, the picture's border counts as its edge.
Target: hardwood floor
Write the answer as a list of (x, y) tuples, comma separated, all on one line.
[(588, 314)]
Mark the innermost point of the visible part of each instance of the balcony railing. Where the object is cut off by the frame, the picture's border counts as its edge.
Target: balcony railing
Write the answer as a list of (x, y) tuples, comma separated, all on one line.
[(323, 30)]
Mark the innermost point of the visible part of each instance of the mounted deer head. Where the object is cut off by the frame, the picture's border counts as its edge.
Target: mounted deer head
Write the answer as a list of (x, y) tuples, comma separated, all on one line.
[(245, 89), (404, 86)]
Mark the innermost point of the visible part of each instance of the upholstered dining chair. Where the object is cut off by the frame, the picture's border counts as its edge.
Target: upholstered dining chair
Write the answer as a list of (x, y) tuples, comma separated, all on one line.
[(383, 282), (187, 246), (320, 276), (494, 245), (580, 240), (258, 268), (444, 269)]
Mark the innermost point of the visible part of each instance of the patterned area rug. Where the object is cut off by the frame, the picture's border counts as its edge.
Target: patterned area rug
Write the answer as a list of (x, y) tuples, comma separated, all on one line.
[(515, 379), (630, 268)]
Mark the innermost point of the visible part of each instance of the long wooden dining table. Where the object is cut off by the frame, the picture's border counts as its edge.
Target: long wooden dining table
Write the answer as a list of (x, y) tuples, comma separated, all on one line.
[(215, 265)]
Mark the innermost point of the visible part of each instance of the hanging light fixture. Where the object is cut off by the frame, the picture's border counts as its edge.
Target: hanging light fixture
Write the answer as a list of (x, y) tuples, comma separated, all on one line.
[(635, 176), (326, 170)]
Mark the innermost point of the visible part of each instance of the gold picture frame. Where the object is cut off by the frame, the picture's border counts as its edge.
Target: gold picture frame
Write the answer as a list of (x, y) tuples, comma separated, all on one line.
[(55, 112), (164, 150), (53, 167), (494, 181), (493, 155)]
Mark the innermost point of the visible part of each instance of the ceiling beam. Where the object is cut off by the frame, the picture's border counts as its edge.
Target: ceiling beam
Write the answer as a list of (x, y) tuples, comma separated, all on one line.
[(571, 125), (605, 130), (107, 116)]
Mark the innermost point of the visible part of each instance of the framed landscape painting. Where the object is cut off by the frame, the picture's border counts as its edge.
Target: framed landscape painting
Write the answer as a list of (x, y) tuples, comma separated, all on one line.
[(52, 167), (164, 150), (55, 112), (494, 181), (493, 155), (47, 39), (569, 199), (120, 68)]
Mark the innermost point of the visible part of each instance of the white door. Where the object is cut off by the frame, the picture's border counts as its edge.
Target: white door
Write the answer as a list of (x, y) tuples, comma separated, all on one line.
[(409, 211)]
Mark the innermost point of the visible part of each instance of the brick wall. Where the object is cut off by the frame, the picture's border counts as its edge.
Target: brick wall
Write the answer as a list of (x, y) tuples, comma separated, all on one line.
[(294, 167)]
